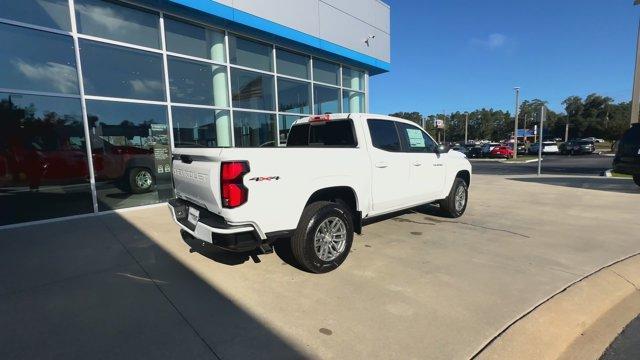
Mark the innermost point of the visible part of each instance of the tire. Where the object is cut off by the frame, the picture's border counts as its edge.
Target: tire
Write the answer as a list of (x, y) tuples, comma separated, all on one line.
[(141, 180), (448, 205), (320, 259), (636, 179)]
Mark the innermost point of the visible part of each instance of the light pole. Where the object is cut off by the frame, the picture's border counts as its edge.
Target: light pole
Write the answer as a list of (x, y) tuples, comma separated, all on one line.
[(515, 132), (635, 105), (444, 127), (466, 127)]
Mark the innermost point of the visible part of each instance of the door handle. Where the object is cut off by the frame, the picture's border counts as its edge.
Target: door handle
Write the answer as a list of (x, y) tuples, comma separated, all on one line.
[(382, 165), (417, 163)]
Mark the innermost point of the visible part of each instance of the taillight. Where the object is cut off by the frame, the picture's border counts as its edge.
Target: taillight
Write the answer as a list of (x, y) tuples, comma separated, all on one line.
[(233, 191)]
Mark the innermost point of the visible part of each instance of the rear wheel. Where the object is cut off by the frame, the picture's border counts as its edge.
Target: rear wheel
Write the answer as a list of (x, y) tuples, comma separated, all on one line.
[(455, 204), (140, 180), (323, 238), (636, 179)]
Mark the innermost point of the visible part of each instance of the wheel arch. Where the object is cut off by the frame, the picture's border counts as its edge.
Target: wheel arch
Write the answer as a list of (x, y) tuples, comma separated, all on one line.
[(345, 194), (464, 175)]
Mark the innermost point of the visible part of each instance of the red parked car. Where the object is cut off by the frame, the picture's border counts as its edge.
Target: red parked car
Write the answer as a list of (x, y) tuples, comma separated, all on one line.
[(502, 152)]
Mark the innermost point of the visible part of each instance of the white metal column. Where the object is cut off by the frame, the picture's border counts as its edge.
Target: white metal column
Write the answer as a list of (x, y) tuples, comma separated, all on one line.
[(85, 117)]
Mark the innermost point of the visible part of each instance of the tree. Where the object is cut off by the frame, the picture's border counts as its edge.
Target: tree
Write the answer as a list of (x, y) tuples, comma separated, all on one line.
[(414, 116)]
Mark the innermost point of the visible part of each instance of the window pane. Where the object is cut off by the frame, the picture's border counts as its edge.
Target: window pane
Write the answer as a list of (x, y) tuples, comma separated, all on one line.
[(131, 154), (384, 135), (201, 127), (37, 61), (251, 90), (327, 99), (352, 79), (352, 101), (118, 22), (326, 72), (48, 13), (285, 122), (130, 73), (200, 83), (188, 39), (335, 133), (292, 64), (254, 129), (293, 96), (249, 53), (43, 159), (415, 140)]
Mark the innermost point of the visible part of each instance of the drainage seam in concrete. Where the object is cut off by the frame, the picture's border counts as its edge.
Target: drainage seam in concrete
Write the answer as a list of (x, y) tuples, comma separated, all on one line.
[(544, 301), (175, 307)]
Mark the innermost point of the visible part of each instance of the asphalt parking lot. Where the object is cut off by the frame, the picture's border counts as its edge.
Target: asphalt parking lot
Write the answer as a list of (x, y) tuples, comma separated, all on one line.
[(552, 164), (416, 285)]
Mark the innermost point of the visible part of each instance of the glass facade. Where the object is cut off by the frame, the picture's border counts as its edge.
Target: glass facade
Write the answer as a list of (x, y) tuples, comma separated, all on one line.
[(95, 134)]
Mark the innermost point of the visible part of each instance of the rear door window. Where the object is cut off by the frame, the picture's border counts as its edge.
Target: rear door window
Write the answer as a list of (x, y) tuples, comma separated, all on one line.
[(384, 135), (334, 133)]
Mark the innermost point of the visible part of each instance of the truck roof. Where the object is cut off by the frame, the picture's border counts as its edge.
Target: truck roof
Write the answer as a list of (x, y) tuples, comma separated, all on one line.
[(353, 116)]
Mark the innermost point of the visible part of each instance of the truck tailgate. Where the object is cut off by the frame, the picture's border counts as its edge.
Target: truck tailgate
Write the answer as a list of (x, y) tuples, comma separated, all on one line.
[(197, 179)]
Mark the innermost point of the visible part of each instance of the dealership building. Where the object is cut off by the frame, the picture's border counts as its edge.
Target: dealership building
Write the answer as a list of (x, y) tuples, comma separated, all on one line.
[(95, 94)]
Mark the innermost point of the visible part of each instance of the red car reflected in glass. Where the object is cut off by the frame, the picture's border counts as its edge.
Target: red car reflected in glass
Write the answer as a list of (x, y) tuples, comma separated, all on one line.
[(38, 163), (501, 152)]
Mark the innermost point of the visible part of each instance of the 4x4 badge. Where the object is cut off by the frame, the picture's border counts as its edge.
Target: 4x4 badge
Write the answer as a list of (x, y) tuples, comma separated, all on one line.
[(265, 178)]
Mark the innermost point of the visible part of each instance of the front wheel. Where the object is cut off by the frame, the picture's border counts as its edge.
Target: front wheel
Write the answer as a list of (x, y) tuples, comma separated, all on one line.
[(323, 238), (636, 179), (455, 204)]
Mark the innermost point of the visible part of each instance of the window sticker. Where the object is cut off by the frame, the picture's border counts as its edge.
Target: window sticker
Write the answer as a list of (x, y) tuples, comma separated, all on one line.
[(415, 138)]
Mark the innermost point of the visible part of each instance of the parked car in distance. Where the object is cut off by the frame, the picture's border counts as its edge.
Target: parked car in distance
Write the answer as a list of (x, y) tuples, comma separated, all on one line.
[(548, 147), (522, 148), (502, 152), (487, 147), (627, 160), (574, 147), (461, 148), (594, 139), (475, 152), (336, 173)]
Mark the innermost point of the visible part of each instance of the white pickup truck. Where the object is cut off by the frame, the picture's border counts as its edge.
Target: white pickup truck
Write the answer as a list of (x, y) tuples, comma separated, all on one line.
[(337, 172)]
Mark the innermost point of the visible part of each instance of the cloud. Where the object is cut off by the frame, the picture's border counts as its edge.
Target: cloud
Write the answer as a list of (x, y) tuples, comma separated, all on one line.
[(61, 77), (492, 42), (107, 21), (146, 87)]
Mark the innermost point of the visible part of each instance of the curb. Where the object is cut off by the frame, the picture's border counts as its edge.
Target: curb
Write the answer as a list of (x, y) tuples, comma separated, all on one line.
[(487, 160), (578, 322), (522, 162)]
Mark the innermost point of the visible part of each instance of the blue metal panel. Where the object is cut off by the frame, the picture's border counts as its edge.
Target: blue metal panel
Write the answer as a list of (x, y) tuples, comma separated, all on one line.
[(235, 16)]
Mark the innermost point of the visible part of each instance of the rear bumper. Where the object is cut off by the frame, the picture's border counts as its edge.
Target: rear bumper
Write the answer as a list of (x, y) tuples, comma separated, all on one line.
[(213, 229)]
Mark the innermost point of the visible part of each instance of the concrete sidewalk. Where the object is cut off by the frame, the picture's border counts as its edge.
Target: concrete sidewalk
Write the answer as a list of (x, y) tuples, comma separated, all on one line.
[(416, 286)]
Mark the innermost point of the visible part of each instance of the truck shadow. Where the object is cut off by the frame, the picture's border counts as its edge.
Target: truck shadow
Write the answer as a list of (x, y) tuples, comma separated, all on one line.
[(213, 253), (625, 186), (107, 285)]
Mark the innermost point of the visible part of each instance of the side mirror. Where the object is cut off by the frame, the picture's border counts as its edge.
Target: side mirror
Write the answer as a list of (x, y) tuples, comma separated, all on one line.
[(442, 148)]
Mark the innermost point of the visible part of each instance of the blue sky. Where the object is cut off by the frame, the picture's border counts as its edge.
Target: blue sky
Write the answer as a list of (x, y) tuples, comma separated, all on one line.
[(462, 55)]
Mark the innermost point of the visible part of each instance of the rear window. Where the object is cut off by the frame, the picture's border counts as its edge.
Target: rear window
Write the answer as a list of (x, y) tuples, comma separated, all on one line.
[(334, 133), (384, 135)]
